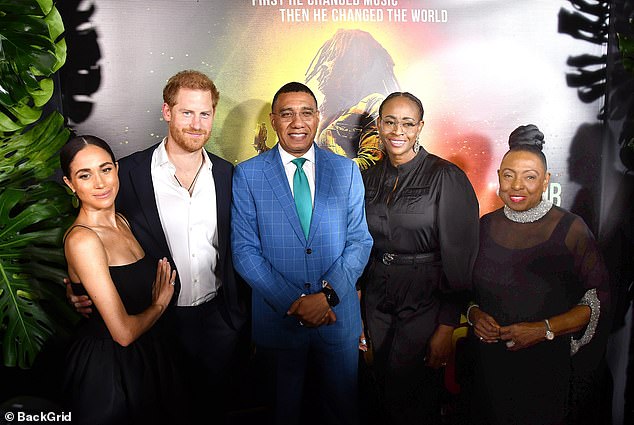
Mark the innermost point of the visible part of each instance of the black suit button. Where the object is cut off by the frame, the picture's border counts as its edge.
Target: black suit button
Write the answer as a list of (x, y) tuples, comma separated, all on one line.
[(309, 251), (306, 285)]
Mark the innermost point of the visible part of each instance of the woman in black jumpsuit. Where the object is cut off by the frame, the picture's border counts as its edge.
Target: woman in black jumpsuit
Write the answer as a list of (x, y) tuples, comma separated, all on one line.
[(423, 215)]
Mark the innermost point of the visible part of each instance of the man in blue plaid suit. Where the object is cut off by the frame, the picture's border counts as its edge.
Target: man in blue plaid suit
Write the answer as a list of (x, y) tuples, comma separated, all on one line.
[(305, 306)]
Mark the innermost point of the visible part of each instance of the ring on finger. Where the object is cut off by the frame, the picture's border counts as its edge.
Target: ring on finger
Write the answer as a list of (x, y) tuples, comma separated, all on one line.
[(510, 343)]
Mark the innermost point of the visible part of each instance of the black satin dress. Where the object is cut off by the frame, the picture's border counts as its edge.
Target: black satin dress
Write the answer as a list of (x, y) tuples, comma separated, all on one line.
[(106, 383), (426, 205)]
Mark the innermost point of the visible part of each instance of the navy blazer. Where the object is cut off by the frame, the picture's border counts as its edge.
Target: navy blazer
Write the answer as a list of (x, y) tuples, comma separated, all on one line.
[(272, 254), (137, 202)]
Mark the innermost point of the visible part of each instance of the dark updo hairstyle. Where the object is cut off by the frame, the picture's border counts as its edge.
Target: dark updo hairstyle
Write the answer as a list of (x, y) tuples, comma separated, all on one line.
[(76, 144), (407, 95), (528, 138)]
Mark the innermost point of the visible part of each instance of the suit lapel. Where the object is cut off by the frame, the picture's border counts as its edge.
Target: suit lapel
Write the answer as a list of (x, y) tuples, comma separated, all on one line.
[(276, 176), (222, 184), (141, 180), (323, 177)]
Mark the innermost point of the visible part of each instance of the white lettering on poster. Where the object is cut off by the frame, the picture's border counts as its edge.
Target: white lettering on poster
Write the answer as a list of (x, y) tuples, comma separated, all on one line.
[(429, 15), (553, 194), (357, 15), (294, 15), (265, 3), (301, 11), (383, 3)]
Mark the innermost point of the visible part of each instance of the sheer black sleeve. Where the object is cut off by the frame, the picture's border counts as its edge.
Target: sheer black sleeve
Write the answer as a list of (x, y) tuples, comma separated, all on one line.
[(592, 273), (589, 265)]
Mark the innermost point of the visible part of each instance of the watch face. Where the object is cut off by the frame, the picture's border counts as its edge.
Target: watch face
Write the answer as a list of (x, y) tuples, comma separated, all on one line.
[(550, 335)]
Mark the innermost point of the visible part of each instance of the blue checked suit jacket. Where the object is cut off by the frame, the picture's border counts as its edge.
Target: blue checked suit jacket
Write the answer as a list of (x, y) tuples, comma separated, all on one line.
[(272, 254)]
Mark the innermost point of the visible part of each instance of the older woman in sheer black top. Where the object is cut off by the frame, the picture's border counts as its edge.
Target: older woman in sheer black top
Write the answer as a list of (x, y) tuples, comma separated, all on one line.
[(538, 279)]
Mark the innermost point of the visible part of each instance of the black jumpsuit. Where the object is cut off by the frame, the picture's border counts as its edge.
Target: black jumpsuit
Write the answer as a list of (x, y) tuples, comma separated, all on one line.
[(426, 205)]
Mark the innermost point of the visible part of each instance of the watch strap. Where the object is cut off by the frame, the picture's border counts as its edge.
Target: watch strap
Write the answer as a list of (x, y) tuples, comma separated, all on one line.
[(329, 292)]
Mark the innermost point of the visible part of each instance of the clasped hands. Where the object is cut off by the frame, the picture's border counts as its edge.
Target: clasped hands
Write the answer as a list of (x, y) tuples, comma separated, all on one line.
[(517, 336), (312, 310)]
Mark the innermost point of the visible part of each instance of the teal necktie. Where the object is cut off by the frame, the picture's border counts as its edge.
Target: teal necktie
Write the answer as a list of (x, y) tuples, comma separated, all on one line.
[(301, 192)]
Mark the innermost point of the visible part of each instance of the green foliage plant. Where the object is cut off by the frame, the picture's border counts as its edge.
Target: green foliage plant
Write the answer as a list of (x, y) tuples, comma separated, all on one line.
[(34, 210)]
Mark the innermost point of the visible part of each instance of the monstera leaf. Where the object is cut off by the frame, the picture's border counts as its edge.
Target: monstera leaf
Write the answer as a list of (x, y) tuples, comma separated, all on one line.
[(31, 155), (31, 50), (31, 261), (33, 215), (34, 211)]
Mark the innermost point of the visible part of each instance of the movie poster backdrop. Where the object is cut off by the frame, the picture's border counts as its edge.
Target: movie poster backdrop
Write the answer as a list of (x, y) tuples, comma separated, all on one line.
[(481, 68)]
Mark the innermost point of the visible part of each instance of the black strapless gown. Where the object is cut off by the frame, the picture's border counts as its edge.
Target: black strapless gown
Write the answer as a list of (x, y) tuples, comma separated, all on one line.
[(106, 383)]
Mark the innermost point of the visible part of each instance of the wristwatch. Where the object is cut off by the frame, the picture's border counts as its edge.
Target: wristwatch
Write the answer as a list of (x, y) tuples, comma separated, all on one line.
[(331, 295), (550, 335)]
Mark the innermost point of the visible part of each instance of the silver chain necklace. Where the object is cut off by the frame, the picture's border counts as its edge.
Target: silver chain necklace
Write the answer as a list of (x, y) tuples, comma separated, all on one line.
[(530, 215)]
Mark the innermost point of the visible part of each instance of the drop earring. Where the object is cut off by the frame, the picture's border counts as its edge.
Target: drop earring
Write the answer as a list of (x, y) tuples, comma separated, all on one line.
[(416, 145), (75, 200)]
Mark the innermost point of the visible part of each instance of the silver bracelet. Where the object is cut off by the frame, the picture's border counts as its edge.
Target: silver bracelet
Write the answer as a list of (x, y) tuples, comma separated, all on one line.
[(591, 300), (469, 311)]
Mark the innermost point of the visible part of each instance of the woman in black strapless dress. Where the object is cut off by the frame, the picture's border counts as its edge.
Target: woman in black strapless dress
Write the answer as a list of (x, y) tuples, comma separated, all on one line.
[(118, 371)]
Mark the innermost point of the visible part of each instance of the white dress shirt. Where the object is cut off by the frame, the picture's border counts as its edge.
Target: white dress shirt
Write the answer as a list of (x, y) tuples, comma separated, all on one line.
[(309, 168), (190, 224)]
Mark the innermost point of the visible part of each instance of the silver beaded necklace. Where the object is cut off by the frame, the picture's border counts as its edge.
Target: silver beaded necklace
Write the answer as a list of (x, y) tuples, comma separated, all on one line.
[(530, 215)]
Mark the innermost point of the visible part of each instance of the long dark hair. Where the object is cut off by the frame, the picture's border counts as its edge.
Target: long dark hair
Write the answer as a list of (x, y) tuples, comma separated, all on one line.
[(353, 64)]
